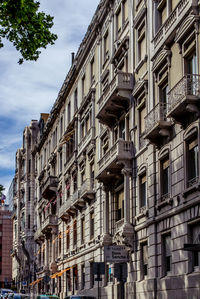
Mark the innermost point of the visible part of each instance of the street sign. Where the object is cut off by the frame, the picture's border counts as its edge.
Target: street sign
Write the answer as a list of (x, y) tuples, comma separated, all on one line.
[(99, 268), (24, 283), (115, 254), (121, 271), (46, 279)]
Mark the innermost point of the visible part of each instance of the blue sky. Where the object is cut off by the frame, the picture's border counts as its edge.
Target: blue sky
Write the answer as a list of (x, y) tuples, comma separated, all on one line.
[(31, 88)]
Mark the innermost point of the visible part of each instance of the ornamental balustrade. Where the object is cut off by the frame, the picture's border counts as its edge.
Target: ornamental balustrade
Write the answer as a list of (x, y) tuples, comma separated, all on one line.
[(171, 23), (158, 113), (120, 81), (189, 85)]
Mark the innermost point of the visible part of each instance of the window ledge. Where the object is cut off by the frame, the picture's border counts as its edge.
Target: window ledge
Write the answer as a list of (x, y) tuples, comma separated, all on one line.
[(140, 64), (163, 203), (190, 190), (143, 213)]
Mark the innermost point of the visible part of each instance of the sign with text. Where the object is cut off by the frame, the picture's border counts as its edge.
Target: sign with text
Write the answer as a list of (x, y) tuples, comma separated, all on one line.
[(115, 254)]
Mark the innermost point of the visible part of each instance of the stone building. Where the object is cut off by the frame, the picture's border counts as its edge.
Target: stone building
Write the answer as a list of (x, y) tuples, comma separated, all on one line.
[(5, 247), (117, 161), (23, 262)]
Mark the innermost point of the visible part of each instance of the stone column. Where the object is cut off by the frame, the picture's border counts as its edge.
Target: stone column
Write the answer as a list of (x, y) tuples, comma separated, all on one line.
[(126, 172), (106, 236)]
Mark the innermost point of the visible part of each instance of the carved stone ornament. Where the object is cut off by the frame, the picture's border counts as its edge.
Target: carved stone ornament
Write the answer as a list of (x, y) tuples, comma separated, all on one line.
[(124, 236)]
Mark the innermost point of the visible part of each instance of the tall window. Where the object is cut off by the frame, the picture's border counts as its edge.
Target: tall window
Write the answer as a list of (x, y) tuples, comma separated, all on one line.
[(192, 160), (165, 179), (105, 46), (91, 275), (119, 204), (92, 225), (75, 100), (75, 232), (83, 86), (68, 237), (92, 70), (61, 161), (61, 126), (167, 253), (143, 190), (69, 112), (68, 281), (82, 230), (82, 276), (141, 41), (195, 236), (144, 259), (119, 21)]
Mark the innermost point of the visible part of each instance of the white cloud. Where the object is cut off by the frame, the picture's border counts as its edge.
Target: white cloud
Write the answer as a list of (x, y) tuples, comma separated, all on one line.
[(31, 88)]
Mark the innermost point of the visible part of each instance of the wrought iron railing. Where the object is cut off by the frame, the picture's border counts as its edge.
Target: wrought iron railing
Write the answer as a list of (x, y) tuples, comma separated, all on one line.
[(189, 85), (157, 114)]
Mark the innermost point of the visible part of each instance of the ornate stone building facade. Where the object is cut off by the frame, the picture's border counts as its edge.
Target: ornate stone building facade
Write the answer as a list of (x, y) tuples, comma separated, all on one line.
[(117, 161)]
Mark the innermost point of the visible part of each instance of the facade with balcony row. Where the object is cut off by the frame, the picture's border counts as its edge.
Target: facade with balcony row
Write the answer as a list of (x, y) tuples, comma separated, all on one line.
[(117, 160)]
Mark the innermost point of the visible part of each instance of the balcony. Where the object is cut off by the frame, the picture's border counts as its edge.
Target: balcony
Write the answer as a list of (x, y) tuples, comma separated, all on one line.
[(87, 191), (50, 222), (77, 201), (109, 164), (50, 187), (115, 99), (184, 97), (67, 209), (157, 126), (168, 29)]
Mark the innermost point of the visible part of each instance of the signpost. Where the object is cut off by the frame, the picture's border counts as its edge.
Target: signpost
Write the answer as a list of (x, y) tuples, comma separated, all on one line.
[(99, 269)]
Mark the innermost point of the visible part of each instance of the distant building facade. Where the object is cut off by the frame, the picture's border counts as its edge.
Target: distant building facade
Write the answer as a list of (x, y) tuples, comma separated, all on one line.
[(117, 159), (23, 210), (5, 247)]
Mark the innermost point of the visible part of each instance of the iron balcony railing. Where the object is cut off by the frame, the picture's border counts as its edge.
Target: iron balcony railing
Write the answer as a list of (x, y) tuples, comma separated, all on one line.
[(158, 113), (189, 85)]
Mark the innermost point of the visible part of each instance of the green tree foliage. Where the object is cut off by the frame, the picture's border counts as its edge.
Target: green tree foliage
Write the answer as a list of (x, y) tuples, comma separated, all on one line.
[(23, 25)]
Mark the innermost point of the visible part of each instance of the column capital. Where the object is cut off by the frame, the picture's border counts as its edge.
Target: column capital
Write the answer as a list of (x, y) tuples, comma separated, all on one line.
[(126, 171)]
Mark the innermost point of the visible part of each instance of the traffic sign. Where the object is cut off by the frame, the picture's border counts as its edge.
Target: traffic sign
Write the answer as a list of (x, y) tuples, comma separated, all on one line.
[(115, 254)]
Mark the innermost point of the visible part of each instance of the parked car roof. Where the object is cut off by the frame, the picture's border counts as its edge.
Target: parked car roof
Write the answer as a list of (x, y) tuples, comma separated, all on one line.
[(80, 297), (43, 296)]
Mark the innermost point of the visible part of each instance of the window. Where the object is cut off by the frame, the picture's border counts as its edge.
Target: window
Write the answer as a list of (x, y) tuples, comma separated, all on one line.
[(68, 281), (105, 47), (82, 276), (68, 237), (60, 161), (119, 21), (125, 11), (122, 129), (67, 184), (192, 160), (91, 275), (142, 114), (75, 278), (91, 225), (69, 112), (141, 40), (167, 258), (59, 243), (165, 179), (83, 86), (92, 70), (119, 195), (144, 260), (75, 232), (75, 100), (61, 126), (104, 144), (195, 236), (82, 230), (164, 89), (29, 193), (143, 190)]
